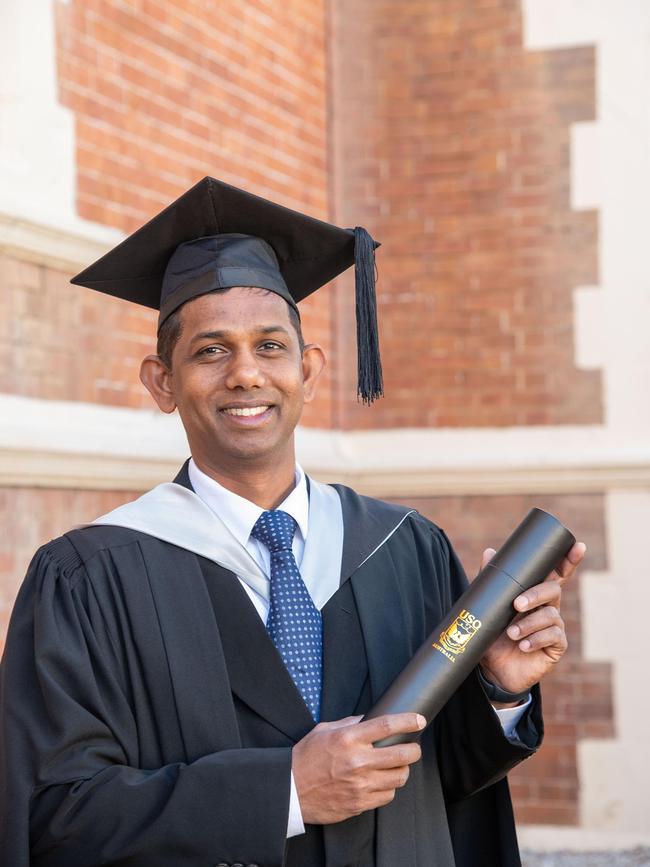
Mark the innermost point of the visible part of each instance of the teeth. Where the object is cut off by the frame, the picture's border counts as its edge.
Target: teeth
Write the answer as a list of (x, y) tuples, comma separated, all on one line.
[(246, 410)]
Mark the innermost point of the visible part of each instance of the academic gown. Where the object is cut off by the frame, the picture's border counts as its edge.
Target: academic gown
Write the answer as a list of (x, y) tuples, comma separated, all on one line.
[(147, 719)]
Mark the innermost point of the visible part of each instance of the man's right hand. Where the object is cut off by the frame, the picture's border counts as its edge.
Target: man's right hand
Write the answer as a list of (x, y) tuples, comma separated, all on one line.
[(338, 773)]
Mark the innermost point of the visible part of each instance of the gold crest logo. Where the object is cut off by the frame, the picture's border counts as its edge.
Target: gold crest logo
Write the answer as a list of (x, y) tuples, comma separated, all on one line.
[(458, 634)]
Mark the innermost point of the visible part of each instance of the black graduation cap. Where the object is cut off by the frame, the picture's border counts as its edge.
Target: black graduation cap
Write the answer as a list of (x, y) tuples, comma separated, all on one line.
[(216, 236)]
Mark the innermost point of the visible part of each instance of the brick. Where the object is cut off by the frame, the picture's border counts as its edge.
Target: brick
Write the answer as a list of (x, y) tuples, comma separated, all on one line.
[(165, 92), (474, 133), (30, 517)]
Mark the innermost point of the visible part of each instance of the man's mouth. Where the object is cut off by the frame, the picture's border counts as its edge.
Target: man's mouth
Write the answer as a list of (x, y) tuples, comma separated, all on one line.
[(246, 410)]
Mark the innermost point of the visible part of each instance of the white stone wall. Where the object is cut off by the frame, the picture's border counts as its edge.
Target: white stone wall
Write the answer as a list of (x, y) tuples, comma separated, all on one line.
[(37, 144), (611, 172)]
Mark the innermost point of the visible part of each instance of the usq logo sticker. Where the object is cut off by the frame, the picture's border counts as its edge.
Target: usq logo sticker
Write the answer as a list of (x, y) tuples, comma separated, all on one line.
[(455, 638)]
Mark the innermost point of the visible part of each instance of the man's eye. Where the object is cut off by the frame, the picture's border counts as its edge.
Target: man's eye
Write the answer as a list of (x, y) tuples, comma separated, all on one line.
[(271, 344), (209, 350)]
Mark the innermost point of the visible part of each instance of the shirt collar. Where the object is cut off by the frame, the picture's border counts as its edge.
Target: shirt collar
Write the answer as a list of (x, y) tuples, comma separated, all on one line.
[(240, 514)]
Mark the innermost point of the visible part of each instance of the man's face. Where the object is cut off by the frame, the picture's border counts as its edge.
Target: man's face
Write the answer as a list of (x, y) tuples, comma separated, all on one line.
[(238, 378)]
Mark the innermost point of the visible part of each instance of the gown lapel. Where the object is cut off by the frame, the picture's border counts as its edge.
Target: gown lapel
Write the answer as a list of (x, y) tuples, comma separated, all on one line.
[(364, 625), (374, 578), (194, 654), (257, 673), (345, 667)]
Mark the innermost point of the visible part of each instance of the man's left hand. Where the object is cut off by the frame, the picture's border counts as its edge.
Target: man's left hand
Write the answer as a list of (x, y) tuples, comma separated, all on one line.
[(536, 639)]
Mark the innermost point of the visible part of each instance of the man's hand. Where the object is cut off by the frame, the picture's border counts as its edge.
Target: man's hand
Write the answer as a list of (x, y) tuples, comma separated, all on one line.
[(338, 772), (536, 640)]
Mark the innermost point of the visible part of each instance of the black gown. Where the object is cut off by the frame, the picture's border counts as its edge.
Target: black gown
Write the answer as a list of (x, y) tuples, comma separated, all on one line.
[(147, 719)]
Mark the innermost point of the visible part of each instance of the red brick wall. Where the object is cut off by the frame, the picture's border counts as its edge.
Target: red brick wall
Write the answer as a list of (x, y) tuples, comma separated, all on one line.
[(63, 343), (164, 92), (29, 517), (451, 144), (577, 697), (449, 141)]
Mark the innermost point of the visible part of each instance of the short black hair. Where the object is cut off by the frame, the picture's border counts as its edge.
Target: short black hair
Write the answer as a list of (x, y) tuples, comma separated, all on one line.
[(172, 328)]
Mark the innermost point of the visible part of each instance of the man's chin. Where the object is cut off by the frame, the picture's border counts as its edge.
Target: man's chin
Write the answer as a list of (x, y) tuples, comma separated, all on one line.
[(249, 450)]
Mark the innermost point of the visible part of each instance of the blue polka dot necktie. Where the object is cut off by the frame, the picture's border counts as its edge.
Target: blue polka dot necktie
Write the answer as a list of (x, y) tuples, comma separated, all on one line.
[(294, 623)]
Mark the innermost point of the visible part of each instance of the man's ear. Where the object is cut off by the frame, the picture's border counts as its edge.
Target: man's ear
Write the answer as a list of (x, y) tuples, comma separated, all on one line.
[(313, 362), (157, 379)]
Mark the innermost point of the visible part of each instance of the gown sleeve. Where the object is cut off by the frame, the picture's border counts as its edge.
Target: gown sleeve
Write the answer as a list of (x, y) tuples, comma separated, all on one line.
[(473, 751), (71, 791)]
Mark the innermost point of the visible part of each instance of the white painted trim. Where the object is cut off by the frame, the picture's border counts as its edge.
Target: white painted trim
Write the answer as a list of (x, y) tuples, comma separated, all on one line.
[(37, 133), (590, 327), (554, 838), (55, 247), (611, 770), (610, 171), (552, 24), (35, 469), (48, 443), (75, 445), (585, 166), (60, 427)]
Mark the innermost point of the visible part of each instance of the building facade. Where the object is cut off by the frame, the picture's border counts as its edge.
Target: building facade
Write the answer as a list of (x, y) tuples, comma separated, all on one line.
[(498, 150)]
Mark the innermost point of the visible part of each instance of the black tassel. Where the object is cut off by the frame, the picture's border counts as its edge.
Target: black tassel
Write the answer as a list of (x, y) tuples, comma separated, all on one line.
[(370, 385)]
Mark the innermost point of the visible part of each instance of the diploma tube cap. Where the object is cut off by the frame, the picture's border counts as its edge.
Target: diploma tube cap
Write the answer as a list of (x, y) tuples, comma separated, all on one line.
[(216, 236), (536, 547)]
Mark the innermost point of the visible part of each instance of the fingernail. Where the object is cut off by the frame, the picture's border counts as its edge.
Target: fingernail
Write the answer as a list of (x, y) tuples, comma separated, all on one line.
[(421, 721), (513, 632), (521, 602), (525, 645)]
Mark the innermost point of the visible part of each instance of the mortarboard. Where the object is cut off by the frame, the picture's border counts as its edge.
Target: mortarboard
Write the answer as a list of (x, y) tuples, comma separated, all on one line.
[(216, 236)]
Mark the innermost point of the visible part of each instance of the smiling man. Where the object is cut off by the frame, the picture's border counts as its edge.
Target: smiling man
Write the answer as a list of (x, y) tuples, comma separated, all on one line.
[(234, 364), (184, 678)]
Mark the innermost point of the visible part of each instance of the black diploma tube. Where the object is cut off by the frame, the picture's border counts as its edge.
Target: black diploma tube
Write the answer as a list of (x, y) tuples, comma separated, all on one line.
[(481, 614)]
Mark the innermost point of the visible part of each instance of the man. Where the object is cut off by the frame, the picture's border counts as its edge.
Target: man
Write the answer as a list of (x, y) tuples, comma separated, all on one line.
[(184, 679)]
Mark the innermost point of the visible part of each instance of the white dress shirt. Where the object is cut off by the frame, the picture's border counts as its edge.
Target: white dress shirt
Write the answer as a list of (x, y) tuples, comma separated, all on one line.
[(240, 516)]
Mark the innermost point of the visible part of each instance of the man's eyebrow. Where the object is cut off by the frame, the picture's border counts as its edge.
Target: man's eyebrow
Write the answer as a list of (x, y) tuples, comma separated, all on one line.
[(223, 334), (272, 329)]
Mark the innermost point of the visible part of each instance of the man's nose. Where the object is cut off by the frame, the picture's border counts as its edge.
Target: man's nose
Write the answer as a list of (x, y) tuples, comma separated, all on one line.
[(244, 371)]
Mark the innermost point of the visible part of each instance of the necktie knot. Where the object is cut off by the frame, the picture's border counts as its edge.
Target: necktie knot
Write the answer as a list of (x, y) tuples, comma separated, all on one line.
[(275, 529)]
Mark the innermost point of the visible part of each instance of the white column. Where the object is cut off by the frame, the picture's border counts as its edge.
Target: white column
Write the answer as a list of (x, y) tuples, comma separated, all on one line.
[(37, 137), (611, 171)]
